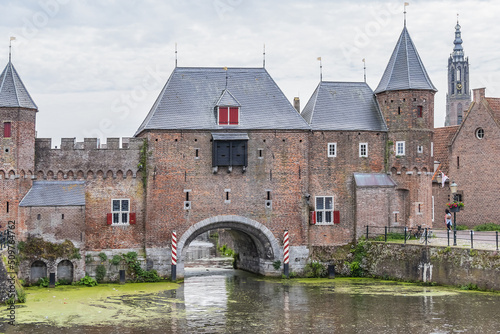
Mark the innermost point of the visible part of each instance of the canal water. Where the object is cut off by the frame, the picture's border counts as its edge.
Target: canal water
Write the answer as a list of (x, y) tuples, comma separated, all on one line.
[(219, 300)]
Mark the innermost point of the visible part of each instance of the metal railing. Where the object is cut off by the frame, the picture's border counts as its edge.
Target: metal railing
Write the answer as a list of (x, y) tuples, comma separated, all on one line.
[(463, 238)]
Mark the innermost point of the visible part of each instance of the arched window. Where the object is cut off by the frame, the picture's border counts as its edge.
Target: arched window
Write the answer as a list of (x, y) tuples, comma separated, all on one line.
[(38, 270)]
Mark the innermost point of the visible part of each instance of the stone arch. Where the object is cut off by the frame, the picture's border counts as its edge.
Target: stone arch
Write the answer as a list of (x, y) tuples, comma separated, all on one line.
[(415, 170), (266, 245), (38, 269), (119, 174), (403, 171), (394, 170), (139, 174), (70, 175), (30, 173), (109, 174), (424, 170), (12, 174), (22, 174), (100, 174), (50, 174), (80, 175), (130, 174), (40, 175), (65, 270), (90, 174), (60, 175), (2, 174)]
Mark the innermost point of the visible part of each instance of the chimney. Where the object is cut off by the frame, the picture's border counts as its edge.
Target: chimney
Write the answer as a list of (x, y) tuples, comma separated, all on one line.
[(478, 94), (296, 103)]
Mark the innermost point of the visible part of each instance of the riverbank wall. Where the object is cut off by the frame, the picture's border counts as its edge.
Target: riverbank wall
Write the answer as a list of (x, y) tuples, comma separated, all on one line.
[(419, 263)]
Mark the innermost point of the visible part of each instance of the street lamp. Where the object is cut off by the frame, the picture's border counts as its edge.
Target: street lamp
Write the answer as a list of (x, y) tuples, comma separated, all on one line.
[(454, 187)]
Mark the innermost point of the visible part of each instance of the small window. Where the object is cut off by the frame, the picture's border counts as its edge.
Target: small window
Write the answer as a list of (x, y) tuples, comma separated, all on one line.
[(120, 209), (229, 153), (400, 148), (7, 129), (7, 207), (363, 149), (38, 216), (420, 112), (420, 149), (324, 209), (479, 133), (260, 151), (229, 116), (332, 150), (399, 110)]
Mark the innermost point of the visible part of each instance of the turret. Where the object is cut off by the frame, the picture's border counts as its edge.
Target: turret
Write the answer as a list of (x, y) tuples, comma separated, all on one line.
[(17, 123)]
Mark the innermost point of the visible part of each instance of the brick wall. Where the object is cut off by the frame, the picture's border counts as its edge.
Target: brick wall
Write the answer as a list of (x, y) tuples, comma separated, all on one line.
[(282, 170), (333, 176), (474, 166)]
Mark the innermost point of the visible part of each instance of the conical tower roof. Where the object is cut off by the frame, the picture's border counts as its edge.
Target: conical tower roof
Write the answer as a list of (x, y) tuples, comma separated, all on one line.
[(13, 93), (405, 69)]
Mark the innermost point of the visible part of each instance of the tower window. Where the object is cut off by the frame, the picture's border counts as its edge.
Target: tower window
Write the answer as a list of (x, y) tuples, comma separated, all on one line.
[(399, 110), (420, 111), (7, 131), (229, 115), (479, 133), (363, 149)]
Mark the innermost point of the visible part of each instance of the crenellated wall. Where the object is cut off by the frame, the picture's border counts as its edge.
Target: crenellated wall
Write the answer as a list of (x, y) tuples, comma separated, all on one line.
[(87, 159)]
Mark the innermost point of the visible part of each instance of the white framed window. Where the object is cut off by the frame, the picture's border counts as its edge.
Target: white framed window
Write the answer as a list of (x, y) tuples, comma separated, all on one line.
[(229, 116), (120, 209), (332, 150), (324, 209), (400, 148), (432, 149), (479, 133), (363, 149), (420, 149)]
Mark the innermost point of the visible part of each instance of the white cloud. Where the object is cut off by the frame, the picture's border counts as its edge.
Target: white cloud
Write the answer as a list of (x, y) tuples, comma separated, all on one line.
[(78, 58)]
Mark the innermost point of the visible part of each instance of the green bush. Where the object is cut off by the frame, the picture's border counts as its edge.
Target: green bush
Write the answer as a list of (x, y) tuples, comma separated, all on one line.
[(116, 260), (487, 227), (277, 264), (103, 257), (43, 282), (462, 228), (100, 273), (63, 281), (88, 281), (21, 295), (315, 270), (88, 258)]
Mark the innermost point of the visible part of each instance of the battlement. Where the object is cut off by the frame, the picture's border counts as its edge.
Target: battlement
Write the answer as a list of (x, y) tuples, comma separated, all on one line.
[(68, 144)]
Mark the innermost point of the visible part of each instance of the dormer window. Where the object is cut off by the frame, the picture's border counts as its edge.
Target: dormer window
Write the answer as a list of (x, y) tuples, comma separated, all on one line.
[(229, 116)]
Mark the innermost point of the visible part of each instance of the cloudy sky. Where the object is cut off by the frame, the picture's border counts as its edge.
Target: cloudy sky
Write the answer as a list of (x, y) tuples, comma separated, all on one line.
[(94, 68)]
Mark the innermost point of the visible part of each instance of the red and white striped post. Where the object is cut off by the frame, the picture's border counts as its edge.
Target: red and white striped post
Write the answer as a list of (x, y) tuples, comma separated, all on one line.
[(174, 256), (286, 254)]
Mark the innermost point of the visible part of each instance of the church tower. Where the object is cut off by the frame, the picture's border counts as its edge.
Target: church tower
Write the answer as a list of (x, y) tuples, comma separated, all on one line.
[(458, 97), (406, 98)]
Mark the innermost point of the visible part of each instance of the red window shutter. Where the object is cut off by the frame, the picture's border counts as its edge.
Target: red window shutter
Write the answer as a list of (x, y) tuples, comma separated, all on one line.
[(223, 116), (7, 133), (336, 217), (109, 218), (132, 218), (313, 218), (233, 116)]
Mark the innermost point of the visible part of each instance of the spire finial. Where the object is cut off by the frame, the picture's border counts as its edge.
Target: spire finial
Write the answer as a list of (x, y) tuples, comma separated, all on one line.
[(225, 69), (406, 4), (320, 70), (457, 18), (264, 57), (12, 38), (364, 68), (176, 54)]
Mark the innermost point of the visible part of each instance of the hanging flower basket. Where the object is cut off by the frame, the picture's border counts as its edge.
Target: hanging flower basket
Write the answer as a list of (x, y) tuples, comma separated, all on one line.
[(455, 206)]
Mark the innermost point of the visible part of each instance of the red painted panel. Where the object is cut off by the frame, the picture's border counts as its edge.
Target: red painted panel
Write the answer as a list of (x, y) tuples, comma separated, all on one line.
[(132, 218), (313, 218), (336, 217), (7, 129), (233, 116), (109, 217), (223, 116)]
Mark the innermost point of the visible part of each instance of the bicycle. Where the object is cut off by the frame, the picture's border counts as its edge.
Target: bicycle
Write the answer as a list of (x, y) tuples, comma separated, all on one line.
[(426, 234), (416, 234)]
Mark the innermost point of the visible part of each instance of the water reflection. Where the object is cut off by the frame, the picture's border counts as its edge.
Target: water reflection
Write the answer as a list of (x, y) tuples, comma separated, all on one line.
[(227, 301)]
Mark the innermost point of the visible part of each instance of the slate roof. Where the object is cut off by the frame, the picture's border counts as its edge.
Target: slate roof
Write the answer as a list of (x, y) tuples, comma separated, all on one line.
[(343, 106), (494, 103), (190, 95), (55, 193), (13, 93), (373, 180), (442, 140), (405, 69)]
